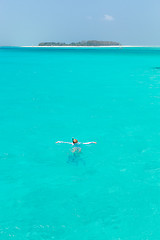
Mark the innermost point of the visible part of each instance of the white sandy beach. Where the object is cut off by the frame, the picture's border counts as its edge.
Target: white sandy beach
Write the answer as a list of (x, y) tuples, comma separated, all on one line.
[(122, 46)]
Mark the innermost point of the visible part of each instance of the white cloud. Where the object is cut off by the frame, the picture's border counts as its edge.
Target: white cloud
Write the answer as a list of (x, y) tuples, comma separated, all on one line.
[(108, 17)]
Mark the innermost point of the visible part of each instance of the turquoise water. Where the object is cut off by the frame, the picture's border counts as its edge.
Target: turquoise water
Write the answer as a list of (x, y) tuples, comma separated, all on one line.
[(109, 191)]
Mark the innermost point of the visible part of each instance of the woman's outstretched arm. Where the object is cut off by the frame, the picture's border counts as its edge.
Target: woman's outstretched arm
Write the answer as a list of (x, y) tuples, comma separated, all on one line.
[(89, 143), (63, 142)]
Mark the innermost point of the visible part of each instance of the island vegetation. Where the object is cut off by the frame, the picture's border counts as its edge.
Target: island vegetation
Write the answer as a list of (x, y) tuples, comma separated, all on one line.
[(82, 43)]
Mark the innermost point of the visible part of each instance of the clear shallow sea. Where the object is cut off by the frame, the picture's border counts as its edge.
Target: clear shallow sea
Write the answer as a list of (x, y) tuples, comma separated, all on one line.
[(110, 191)]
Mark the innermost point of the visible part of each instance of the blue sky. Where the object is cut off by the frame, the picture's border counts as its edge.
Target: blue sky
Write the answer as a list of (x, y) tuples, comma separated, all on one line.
[(128, 22)]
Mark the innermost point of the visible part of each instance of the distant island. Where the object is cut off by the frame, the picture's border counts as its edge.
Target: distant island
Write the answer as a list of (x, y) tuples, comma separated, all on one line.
[(82, 43)]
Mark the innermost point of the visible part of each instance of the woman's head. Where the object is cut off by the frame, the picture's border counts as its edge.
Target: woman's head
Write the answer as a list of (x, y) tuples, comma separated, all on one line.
[(74, 140)]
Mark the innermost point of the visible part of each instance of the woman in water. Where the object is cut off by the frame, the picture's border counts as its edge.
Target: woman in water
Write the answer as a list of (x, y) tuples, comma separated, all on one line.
[(76, 144)]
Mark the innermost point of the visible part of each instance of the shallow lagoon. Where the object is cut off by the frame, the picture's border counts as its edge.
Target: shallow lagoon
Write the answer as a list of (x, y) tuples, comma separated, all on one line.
[(110, 190)]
